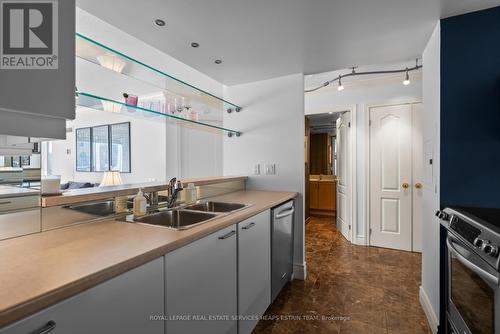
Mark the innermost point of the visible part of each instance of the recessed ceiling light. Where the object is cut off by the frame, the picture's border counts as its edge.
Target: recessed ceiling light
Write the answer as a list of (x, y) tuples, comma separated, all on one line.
[(159, 22), (195, 45), (218, 61)]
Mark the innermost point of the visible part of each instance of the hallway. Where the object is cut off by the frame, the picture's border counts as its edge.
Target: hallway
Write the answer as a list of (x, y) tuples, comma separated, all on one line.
[(365, 289)]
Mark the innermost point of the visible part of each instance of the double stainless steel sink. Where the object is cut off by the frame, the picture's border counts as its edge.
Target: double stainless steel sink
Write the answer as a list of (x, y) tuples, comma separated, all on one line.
[(191, 215)]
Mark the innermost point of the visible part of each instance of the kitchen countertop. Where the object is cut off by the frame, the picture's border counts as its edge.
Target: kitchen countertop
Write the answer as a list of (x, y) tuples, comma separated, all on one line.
[(98, 193), (10, 170), (12, 191), (39, 270), (322, 177)]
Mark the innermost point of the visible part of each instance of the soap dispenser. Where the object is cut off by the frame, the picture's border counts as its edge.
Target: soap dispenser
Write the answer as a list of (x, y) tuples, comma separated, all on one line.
[(140, 204), (191, 195)]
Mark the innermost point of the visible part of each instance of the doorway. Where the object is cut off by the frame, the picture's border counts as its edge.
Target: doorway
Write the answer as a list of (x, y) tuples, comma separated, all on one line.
[(395, 172), (328, 174)]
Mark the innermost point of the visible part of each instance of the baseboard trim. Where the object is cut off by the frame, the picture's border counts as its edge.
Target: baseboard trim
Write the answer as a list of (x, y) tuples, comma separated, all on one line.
[(299, 271), (429, 312), (360, 240)]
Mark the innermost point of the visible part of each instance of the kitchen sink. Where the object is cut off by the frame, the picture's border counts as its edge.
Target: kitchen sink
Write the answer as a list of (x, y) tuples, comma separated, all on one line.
[(210, 206), (176, 219)]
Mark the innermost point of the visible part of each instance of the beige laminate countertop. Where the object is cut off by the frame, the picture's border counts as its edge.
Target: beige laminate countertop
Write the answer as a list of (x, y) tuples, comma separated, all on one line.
[(98, 193), (39, 270), (12, 191)]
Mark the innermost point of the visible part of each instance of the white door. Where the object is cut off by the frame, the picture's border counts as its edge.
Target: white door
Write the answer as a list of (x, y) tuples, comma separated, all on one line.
[(343, 175), (417, 189), (390, 176)]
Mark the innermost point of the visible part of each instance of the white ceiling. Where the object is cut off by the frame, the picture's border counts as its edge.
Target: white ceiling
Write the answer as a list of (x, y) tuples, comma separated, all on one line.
[(261, 39)]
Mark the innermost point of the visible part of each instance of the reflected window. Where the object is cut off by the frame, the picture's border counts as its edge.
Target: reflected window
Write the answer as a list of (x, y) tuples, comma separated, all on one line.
[(83, 150), (120, 147), (103, 148)]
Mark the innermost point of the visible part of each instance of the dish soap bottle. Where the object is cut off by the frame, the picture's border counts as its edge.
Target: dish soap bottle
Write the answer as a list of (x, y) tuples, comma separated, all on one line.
[(191, 193), (140, 204)]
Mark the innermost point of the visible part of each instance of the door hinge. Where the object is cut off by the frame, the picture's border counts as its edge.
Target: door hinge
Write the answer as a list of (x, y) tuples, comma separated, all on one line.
[(370, 122), (349, 124), (349, 227), (370, 230)]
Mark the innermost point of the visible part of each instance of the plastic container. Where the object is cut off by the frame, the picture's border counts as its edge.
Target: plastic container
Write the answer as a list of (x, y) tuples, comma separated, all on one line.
[(191, 194), (51, 185), (140, 204)]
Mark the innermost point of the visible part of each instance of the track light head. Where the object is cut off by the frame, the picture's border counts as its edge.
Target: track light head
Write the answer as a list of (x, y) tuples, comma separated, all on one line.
[(340, 86), (406, 81)]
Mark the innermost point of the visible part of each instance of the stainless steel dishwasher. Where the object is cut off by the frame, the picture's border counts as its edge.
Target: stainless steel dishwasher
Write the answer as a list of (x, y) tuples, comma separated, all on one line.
[(282, 246)]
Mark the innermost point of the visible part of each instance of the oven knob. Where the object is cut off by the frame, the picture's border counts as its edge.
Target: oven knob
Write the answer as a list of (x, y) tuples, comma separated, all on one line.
[(478, 242), (442, 215), (492, 251), (486, 247)]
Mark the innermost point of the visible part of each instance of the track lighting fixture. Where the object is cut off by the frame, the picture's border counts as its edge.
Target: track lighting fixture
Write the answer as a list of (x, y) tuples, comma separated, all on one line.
[(406, 81), (340, 87), (353, 73)]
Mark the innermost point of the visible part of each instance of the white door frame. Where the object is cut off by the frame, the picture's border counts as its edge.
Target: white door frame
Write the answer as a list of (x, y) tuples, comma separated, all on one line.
[(367, 222), (353, 157)]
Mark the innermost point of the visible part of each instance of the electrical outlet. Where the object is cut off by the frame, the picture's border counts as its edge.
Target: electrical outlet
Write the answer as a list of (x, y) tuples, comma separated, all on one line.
[(256, 169)]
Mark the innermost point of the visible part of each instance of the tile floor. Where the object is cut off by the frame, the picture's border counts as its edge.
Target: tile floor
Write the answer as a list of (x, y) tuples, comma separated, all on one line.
[(374, 289)]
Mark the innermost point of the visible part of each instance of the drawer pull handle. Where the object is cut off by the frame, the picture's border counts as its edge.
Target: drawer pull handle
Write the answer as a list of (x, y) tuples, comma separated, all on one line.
[(249, 226), (49, 327), (227, 235), (4, 203)]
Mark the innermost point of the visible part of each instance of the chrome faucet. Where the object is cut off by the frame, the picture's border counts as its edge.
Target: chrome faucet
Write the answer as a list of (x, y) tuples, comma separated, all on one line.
[(152, 199), (173, 189)]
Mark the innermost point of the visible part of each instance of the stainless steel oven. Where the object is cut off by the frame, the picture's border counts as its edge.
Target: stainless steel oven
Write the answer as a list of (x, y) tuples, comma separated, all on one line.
[(473, 299)]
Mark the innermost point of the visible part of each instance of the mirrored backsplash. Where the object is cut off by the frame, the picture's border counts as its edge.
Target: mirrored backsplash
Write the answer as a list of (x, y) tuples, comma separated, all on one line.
[(20, 178)]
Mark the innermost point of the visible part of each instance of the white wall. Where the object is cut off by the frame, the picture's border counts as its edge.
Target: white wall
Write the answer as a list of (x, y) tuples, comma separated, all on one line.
[(148, 146), (272, 122), (431, 137), (361, 94)]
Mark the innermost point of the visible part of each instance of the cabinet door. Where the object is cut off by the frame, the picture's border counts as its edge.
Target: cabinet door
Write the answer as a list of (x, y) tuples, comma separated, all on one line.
[(201, 290), (122, 305), (254, 269), (313, 195), (326, 198), (45, 92)]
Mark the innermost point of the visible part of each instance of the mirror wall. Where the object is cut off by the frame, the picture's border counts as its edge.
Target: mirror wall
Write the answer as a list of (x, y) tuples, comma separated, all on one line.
[(20, 175)]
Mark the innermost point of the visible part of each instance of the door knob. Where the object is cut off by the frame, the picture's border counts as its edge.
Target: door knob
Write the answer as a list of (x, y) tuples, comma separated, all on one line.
[(418, 185), (405, 185)]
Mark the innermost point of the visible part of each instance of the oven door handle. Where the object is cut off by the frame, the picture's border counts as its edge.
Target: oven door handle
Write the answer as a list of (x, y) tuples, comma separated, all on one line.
[(481, 272)]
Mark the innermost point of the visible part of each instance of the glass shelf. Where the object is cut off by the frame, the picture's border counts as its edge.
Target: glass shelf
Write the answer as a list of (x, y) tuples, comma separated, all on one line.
[(100, 54), (99, 103)]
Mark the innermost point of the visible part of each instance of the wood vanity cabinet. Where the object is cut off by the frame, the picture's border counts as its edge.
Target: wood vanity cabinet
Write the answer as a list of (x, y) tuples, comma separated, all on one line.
[(254, 269), (322, 195), (201, 281), (120, 305), (313, 194)]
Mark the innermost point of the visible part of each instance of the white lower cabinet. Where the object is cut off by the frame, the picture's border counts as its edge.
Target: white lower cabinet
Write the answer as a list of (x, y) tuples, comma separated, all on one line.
[(254, 270), (122, 305), (201, 285)]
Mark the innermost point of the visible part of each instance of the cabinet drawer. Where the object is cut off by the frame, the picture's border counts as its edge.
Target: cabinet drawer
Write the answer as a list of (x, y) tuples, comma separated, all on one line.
[(18, 203), (11, 177), (122, 305)]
